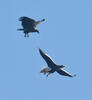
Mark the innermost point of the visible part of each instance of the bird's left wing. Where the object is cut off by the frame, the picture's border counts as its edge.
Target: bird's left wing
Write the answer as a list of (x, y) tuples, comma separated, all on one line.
[(48, 60), (64, 73)]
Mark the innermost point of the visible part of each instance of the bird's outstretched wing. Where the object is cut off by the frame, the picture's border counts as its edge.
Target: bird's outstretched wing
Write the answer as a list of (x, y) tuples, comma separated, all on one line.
[(64, 73), (48, 60), (27, 22), (26, 19)]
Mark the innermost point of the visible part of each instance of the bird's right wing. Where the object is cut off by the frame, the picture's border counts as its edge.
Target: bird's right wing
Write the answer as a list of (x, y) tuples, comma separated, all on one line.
[(27, 22), (26, 19), (48, 60), (65, 73)]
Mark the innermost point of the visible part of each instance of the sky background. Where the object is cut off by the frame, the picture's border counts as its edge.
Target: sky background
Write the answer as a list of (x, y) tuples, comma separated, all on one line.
[(66, 36)]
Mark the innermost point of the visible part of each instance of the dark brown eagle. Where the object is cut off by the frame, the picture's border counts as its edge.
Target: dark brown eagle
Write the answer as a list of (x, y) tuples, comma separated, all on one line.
[(52, 67), (29, 25)]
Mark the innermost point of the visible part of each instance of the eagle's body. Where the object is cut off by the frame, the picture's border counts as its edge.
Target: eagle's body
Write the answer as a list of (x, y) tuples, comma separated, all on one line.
[(52, 67), (29, 25)]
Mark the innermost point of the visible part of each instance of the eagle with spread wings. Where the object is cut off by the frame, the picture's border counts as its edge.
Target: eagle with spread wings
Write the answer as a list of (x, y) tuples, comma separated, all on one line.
[(53, 67), (29, 25)]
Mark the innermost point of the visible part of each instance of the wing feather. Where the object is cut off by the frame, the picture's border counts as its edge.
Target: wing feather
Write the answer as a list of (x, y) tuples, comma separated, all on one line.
[(48, 60), (27, 22), (63, 72)]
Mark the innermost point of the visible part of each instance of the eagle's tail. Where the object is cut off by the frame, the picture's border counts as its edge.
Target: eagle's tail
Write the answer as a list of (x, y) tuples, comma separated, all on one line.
[(20, 29)]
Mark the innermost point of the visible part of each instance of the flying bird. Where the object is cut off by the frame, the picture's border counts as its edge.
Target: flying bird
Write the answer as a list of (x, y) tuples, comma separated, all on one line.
[(52, 67), (29, 25)]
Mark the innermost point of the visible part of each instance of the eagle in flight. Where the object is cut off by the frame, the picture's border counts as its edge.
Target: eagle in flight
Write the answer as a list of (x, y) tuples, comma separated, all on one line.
[(29, 25), (52, 67)]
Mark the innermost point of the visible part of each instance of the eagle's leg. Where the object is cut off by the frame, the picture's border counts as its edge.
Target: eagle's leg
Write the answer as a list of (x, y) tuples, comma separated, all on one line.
[(48, 74), (27, 34)]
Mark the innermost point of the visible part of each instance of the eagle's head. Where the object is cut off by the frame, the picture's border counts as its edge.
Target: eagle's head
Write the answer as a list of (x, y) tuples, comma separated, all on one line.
[(61, 66), (36, 31)]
